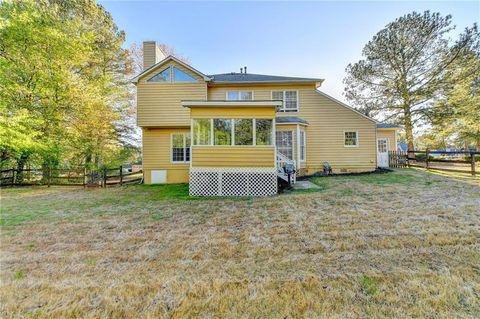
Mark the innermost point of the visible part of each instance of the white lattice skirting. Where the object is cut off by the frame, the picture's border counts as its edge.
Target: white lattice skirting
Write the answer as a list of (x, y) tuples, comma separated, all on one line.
[(233, 181)]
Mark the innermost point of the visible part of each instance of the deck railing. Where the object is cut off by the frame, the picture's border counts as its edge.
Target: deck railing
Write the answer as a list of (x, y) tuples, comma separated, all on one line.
[(282, 160)]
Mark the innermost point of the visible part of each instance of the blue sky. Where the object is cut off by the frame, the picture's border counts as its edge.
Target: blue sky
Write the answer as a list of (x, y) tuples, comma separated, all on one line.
[(314, 39)]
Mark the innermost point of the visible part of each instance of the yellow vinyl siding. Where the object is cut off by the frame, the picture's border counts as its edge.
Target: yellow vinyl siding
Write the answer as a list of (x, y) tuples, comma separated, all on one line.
[(260, 91), (159, 103), (233, 156), (390, 134), (157, 154), (232, 112), (327, 120)]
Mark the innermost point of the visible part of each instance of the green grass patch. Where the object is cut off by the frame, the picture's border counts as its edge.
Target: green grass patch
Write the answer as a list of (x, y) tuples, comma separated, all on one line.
[(19, 275), (369, 286)]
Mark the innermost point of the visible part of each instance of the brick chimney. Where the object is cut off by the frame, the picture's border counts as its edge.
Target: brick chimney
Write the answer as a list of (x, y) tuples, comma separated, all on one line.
[(152, 54)]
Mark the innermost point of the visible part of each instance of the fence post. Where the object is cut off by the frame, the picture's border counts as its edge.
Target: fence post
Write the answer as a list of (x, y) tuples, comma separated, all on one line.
[(472, 160), (121, 175), (105, 177), (427, 153), (84, 176), (49, 176), (14, 176)]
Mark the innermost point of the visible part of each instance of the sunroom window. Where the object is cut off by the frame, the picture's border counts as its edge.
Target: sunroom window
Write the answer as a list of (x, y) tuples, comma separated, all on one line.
[(243, 132), (162, 76), (263, 130), (240, 95), (222, 131), (289, 98), (201, 132)]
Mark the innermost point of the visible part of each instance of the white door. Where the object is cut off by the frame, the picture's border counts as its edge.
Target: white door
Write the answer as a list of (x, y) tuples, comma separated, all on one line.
[(382, 152), (284, 141)]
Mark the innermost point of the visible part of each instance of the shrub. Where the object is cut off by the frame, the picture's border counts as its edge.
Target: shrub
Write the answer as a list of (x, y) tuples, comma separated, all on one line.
[(468, 157)]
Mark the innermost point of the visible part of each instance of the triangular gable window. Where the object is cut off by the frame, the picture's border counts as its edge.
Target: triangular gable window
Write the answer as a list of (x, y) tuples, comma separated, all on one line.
[(180, 76), (163, 76)]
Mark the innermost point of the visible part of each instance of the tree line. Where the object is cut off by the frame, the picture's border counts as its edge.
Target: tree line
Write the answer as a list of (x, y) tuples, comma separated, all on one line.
[(415, 74)]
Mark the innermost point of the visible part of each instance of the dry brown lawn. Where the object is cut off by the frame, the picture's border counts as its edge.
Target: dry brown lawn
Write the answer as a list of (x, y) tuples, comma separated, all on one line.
[(405, 244)]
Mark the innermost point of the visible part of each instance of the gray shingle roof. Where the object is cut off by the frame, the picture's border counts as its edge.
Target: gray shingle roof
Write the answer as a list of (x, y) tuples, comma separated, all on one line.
[(249, 77), (387, 125), (290, 119)]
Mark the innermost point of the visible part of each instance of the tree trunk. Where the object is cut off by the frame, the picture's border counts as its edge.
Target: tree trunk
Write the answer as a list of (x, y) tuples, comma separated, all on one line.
[(408, 127), (20, 166)]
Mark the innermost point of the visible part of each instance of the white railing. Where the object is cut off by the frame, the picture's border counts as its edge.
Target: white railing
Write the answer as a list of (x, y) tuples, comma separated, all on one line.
[(281, 161)]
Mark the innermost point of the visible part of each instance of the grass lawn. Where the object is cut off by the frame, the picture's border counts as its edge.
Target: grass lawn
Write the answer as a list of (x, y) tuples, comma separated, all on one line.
[(404, 244)]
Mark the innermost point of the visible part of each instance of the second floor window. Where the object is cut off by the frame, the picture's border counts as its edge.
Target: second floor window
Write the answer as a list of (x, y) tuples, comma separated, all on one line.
[(166, 76), (162, 76), (289, 98), (240, 95)]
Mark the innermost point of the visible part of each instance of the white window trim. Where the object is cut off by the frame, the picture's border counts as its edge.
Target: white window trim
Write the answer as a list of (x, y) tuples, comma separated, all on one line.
[(358, 138), (282, 110), (238, 91), (304, 146), (184, 134)]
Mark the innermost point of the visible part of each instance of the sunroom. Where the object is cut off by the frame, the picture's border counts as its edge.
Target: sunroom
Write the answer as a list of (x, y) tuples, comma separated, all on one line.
[(233, 149)]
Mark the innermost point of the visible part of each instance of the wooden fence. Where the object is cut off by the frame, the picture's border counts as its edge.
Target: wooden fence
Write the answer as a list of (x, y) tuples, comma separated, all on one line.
[(397, 159), (449, 161), (68, 177)]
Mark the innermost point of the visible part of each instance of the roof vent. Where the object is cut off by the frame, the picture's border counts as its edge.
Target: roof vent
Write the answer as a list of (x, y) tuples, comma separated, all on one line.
[(245, 68), (241, 70)]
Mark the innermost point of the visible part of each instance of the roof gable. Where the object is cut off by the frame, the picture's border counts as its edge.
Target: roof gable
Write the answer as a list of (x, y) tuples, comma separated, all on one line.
[(164, 61)]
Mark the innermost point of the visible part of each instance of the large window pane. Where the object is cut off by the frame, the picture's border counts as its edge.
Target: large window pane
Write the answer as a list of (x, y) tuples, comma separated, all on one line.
[(240, 95), (163, 76), (351, 139), (201, 132), (232, 95), (290, 101), (246, 95), (243, 132), (180, 76), (284, 140), (222, 131), (178, 150), (181, 147), (264, 132)]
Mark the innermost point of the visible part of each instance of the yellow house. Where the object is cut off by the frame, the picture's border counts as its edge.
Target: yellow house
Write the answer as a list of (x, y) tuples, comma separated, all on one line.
[(231, 134)]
